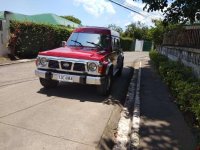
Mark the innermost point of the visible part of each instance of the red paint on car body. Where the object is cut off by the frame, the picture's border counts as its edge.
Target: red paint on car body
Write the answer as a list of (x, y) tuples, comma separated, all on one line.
[(97, 30), (81, 52), (76, 52)]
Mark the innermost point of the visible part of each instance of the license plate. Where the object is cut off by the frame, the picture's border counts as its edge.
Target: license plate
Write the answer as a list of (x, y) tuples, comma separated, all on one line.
[(66, 78)]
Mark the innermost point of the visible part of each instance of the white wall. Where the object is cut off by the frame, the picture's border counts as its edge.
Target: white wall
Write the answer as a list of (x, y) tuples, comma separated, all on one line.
[(4, 37), (188, 56)]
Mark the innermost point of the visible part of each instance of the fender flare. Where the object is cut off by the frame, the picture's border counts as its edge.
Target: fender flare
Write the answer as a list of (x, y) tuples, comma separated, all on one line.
[(109, 67)]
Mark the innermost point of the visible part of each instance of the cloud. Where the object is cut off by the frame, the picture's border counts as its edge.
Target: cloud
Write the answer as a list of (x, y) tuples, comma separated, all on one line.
[(96, 7), (145, 18), (134, 4)]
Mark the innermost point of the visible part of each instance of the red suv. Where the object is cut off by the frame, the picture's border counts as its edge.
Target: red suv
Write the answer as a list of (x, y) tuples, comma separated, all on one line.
[(91, 55)]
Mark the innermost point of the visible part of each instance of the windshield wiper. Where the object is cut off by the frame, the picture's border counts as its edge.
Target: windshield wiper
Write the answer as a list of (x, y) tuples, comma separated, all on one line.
[(77, 42), (97, 45)]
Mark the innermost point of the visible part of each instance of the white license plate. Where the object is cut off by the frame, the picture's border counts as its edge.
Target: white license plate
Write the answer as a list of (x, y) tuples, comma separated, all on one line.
[(66, 78)]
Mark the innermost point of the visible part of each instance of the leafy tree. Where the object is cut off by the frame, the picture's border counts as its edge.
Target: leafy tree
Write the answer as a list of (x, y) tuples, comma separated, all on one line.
[(73, 19), (157, 33), (176, 11), (115, 28), (137, 31)]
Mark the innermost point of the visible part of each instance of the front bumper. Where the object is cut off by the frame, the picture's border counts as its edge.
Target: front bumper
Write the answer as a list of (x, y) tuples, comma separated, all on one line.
[(83, 79)]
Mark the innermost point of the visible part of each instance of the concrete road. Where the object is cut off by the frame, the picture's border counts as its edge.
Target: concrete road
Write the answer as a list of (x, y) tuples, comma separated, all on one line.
[(68, 117)]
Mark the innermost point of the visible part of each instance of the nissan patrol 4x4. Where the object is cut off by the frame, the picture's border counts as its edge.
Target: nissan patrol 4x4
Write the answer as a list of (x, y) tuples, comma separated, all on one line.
[(91, 55)]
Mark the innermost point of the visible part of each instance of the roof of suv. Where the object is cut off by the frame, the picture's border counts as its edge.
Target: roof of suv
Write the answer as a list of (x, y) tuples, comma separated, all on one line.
[(100, 30)]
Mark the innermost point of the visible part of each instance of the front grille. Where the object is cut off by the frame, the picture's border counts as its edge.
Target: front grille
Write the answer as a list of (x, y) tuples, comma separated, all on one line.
[(79, 67), (53, 64), (66, 65)]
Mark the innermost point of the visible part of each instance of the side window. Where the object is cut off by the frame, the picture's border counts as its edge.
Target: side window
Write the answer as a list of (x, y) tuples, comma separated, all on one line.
[(118, 43), (104, 41), (1, 25), (113, 43)]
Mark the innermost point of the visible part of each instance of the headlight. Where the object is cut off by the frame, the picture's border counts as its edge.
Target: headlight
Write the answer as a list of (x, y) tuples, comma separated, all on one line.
[(43, 61), (92, 67)]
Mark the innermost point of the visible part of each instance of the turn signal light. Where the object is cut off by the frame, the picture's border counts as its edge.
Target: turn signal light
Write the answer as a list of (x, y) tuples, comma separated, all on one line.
[(102, 67)]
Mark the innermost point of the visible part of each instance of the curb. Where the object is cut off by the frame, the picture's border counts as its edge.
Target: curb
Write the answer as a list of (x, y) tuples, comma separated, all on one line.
[(135, 140), (128, 127), (18, 62)]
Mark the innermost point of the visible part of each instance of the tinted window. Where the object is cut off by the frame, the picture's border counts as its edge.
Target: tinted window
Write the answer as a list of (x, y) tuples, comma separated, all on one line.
[(117, 43), (1, 25), (86, 39), (113, 44)]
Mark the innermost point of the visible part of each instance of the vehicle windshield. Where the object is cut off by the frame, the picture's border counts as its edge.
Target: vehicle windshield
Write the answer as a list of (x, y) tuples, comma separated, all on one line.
[(91, 40)]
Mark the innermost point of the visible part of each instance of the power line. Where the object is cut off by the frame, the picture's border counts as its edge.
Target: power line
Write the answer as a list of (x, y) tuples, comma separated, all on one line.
[(126, 7)]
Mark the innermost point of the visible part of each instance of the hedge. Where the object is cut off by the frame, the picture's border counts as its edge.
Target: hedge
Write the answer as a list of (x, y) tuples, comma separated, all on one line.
[(127, 44), (184, 86), (27, 39)]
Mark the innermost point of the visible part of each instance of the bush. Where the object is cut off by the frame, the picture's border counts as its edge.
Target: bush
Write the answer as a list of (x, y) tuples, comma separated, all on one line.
[(183, 85), (127, 44), (27, 39), (157, 58)]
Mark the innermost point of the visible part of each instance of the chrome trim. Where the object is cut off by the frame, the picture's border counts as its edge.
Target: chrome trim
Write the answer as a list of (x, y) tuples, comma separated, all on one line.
[(75, 78), (73, 61), (68, 59)]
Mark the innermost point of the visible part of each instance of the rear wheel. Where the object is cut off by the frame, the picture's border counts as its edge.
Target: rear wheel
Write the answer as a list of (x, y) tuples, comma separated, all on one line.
[(48, 83), (104, 88)]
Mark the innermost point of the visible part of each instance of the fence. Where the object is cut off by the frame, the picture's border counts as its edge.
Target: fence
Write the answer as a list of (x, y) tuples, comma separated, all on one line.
[(184, 37)]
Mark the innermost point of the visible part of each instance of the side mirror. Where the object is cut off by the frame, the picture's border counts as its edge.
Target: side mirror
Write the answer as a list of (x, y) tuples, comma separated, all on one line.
[(64, 43)]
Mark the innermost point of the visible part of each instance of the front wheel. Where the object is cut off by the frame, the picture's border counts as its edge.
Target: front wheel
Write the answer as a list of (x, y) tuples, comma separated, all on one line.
[(121, 64), (46, 83), (104, 88), (120, 71)]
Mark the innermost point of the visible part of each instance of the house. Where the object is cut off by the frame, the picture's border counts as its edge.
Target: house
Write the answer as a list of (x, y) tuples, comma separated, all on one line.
[(7, 16)]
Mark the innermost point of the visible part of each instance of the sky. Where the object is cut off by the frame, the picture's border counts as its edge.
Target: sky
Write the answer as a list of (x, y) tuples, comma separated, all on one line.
[(90, 12)]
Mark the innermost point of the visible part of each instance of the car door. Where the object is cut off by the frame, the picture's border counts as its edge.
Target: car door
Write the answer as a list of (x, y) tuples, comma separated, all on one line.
[(115, 53), (119, 54)]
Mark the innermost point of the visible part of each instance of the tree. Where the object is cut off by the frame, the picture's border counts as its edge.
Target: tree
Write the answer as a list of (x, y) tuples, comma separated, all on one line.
[(115, 28), (73, 19), (137, 31), (157, 33), (177, 11)]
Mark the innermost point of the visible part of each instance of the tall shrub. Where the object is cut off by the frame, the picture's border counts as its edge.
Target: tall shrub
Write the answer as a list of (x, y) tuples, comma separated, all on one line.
[(127, 44), (183, 85), (27, 39)]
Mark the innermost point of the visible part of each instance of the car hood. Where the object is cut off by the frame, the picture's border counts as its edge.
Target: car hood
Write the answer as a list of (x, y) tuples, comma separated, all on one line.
[(76, 52)]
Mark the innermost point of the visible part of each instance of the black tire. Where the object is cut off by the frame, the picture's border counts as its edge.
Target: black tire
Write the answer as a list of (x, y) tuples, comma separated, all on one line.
[(120, 63), (120, 71), (121, 67), (104, 88), (48, 83)]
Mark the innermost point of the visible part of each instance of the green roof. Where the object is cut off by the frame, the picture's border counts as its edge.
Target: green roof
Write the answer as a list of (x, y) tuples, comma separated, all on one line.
[(40, 18)]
